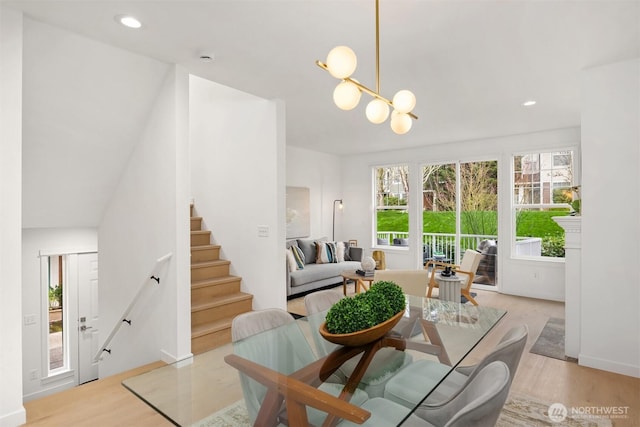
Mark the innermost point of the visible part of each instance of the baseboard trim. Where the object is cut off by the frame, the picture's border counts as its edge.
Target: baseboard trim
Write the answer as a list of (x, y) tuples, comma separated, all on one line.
[(15, 418), (609, 366), (171, 359)]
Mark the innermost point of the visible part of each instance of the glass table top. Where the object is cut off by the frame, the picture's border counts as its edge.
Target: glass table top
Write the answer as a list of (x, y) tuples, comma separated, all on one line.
[(187, 392)]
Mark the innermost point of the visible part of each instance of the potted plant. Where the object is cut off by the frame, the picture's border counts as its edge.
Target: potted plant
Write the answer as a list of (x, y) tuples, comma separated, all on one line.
[(55, 296), (365, 317)]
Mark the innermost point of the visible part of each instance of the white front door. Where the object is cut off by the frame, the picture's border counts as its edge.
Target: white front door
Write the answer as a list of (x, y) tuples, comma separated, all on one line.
[(87, 317)]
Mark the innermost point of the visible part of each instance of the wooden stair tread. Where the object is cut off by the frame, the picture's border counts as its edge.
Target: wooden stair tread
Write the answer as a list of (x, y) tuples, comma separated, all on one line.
[(211, 327), (204, 247), (200, 231), (213, 263), (221, 300), (214, 281)]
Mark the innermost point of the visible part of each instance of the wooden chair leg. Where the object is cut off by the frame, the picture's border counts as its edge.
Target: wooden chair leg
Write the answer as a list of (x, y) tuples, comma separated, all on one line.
[(468, 296)]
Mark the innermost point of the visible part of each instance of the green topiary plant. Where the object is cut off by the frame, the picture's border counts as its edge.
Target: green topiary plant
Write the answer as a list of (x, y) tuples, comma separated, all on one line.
[(392, 292), (362, 311)]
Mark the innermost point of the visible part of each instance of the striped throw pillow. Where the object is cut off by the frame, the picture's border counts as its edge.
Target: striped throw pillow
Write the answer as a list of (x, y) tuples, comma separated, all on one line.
[(326, 253), (298, 255)]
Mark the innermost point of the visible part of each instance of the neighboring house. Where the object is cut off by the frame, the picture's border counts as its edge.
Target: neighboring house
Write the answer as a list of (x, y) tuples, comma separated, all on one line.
[(237, 174)]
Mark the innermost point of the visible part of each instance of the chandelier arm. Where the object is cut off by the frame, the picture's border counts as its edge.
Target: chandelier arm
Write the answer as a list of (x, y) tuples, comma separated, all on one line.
[(364, 88), (377, 47)]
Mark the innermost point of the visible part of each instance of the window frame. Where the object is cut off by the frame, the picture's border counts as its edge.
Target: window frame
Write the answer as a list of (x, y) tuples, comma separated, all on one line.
[(539, 185), (405, 207)]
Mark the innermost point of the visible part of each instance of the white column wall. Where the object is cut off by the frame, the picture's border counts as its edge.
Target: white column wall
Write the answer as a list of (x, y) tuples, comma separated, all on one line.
[(12, 412), (146, 219), (610, 330), (531, 278), (49, 240), (237, 164), (322, 174)]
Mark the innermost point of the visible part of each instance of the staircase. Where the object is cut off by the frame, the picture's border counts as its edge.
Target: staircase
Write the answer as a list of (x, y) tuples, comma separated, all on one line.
[(215, 295)]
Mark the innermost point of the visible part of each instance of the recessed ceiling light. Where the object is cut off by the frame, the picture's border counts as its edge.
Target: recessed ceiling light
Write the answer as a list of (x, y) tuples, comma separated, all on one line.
[(128, 21), (528, 103)]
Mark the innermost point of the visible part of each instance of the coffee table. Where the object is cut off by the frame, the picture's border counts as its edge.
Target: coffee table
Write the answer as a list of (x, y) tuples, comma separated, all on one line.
[(360, 281)]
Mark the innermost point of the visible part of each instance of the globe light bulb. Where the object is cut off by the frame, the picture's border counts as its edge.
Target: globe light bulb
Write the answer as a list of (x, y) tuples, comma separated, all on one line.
[(377, 111), (404, 101), (346, 95), (400, 122), (341, 62)]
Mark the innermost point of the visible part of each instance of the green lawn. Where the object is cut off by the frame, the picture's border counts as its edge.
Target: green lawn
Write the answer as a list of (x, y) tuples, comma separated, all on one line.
[(531, 224)]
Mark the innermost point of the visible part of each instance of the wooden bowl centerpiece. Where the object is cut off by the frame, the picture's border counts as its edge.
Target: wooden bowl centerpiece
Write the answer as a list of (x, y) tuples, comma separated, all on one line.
[(365, 317)]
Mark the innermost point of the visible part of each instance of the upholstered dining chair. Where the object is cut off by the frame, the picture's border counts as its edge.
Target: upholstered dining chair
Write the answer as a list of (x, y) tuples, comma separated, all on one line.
[(386, 362), (272, 339), (467, 270), (406, 388), (412, 282), (478, 404)]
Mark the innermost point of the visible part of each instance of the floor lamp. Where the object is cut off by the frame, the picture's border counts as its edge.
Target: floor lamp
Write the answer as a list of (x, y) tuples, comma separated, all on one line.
[(333, 234)]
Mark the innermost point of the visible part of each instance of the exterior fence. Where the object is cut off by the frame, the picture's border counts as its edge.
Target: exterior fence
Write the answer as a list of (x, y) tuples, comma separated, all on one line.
[(442, 247)]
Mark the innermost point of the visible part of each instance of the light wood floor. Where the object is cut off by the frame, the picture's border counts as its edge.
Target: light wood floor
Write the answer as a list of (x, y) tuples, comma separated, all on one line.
[(107, 403)]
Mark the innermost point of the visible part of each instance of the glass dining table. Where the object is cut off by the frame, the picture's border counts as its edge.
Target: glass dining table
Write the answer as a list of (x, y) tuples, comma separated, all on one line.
[(442, 331)]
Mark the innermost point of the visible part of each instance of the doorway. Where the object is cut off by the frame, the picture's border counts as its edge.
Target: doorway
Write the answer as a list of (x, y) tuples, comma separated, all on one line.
[(71, 332), (459, 212)]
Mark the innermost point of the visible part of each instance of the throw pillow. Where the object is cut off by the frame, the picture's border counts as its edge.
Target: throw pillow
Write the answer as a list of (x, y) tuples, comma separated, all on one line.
[(347, 253), (340, 251), (299, 257), (291, 261), (326, 252)]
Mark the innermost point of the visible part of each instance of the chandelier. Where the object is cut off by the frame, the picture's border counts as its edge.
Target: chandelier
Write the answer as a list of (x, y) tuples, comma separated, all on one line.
[(342, 62)]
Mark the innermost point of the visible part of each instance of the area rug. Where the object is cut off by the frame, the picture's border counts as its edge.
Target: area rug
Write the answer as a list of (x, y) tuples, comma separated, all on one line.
[(519, 411), (550, 343)]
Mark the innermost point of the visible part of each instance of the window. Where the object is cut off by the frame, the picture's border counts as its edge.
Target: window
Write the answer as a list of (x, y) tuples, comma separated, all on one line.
[(542, 189), (54, 269), (392, 202)]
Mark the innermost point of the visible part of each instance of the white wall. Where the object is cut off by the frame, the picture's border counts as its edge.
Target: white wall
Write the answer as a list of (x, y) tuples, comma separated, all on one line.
[(322, 174), (237, 165), (35, 241), (610, 330), (12, 412), (148, 217), (533, 278)]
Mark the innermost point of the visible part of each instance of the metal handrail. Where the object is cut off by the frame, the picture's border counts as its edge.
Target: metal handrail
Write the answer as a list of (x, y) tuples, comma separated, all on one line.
[(123, 319)]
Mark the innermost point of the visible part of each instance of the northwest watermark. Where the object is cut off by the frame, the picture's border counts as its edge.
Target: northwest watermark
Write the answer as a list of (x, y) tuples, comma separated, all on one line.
[(558, 412)]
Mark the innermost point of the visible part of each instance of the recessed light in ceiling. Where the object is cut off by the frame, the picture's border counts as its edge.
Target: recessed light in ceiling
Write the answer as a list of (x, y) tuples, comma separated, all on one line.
[(128, 21), (528, 103)]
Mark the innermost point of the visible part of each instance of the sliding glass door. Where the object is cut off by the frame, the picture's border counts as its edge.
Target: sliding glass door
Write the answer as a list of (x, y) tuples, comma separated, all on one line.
[(459, 202)]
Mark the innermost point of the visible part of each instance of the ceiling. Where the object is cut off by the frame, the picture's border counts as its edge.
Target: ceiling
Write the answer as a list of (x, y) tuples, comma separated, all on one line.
[(471, 64)]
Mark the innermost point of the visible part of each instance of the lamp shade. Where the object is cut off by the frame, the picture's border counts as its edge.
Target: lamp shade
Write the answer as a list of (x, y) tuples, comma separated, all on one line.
[(341, 62), (377, 111), (404, 101), (346, 95), (400, 122)]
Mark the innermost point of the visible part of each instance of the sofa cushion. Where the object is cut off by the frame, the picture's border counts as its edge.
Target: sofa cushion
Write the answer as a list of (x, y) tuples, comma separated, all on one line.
[(308, 247), (326, 253), (316, 272)]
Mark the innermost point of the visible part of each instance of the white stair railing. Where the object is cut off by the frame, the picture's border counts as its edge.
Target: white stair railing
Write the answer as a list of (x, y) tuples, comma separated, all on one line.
[(124, 318)]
